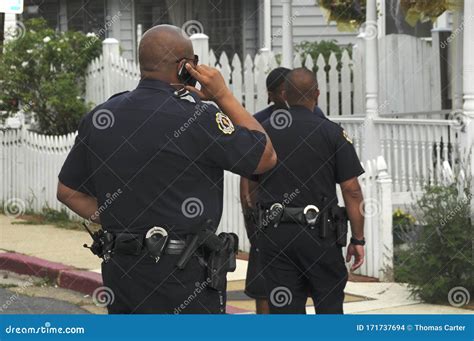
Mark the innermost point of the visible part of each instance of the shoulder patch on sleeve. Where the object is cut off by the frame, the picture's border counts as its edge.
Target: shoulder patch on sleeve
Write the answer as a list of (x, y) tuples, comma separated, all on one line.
[(346, 136), (224, 123)]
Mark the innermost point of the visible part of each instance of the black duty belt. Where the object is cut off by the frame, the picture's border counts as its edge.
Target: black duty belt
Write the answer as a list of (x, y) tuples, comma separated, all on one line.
[(134, 244), (277, 213)]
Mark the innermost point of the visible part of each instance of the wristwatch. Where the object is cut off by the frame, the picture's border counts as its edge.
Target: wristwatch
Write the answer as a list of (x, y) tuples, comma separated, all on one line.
[(358, 241)]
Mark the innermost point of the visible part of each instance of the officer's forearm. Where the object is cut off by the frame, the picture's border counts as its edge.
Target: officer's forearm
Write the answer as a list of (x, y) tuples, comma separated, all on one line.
[(237, 113), (82, 204), (353, 200)]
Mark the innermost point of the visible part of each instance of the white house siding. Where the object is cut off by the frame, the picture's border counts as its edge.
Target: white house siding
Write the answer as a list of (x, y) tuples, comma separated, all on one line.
[(127, 30), (309, 24), (250, 25)]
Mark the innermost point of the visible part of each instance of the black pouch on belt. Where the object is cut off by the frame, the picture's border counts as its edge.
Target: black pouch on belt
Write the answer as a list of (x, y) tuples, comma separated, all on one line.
[(340, 216), (128, 243)]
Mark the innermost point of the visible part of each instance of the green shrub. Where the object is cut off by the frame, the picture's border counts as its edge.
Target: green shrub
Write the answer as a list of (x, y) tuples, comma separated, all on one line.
[(324, 47), (440, 258), (42, 71)]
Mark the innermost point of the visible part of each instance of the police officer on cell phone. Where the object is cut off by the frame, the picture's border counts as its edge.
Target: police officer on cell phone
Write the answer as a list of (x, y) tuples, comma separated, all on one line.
[(147, 165), (255, 281), (302, 226)]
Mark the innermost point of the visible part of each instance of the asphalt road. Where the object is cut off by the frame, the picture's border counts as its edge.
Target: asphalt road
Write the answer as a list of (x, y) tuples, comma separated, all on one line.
[(13, 303)]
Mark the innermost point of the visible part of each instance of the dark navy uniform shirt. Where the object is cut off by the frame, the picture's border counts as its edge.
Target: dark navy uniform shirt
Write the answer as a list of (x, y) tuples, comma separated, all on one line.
[(265, 114), (151, 157), (314, 154)]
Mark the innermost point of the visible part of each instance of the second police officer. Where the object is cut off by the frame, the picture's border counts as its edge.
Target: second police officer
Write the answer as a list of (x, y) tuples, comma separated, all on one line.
[(303, 227)]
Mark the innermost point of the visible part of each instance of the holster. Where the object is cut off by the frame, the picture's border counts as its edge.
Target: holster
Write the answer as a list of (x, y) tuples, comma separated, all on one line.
[(340, 219), (222, 260)]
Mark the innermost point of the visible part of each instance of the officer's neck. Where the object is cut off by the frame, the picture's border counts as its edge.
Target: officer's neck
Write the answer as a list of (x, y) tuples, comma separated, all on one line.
[(310, 105), (159, 76)]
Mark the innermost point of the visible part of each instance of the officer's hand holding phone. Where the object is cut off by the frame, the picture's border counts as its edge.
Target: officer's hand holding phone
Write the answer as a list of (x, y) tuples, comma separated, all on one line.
[(213, 87)]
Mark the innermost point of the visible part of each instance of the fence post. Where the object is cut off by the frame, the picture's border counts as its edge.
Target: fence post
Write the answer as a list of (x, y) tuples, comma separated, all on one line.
[(201, 47), (372, 144), (110, 46), (384, 194)]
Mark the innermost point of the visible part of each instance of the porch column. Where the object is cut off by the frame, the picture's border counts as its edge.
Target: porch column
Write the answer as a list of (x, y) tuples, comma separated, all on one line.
[(267, 24), (372, 144), (287, 35), (467, 136), (456, 52)]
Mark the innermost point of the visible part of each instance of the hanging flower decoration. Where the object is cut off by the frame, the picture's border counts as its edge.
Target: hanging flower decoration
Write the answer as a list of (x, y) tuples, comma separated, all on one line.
[(348, 14), (425, 10)]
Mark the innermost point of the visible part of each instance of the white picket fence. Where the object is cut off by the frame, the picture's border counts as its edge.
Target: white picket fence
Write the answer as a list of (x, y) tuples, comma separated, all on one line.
[(29, 168), (110, 73)]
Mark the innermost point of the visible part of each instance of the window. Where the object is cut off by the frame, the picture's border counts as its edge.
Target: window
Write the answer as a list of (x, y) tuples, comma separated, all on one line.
[(48, 9), (221, 20), (85, 15)]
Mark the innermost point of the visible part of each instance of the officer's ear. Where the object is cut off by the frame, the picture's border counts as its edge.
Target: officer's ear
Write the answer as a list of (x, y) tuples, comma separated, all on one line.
[(270, 97), (283, 94), (316, 96)]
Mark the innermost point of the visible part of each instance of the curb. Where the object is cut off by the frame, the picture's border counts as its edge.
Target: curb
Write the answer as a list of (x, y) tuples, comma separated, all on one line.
[(64, 276)]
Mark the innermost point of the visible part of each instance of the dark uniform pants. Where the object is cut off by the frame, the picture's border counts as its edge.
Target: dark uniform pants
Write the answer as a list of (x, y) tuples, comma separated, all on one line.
[(297, 262), (141, 286)]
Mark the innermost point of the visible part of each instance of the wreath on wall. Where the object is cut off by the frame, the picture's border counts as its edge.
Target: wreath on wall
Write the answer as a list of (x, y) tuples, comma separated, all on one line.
[(349, 15)]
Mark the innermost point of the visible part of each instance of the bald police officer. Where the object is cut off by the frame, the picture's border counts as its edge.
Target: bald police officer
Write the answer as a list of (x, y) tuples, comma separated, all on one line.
[(303, 227), (148, 166)]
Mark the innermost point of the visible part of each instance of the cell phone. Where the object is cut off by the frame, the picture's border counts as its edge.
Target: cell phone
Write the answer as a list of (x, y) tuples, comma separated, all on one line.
[(185, 77)]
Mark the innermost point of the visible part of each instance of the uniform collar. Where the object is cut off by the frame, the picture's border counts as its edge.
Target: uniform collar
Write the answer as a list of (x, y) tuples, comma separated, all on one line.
[(300, 111), (147, 83)]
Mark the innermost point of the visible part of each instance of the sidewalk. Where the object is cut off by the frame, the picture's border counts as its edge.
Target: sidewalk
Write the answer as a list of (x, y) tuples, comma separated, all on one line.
[(48, 251)]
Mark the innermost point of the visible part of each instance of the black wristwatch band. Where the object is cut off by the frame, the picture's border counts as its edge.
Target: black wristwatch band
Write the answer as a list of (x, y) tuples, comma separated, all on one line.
[(358, 241)]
